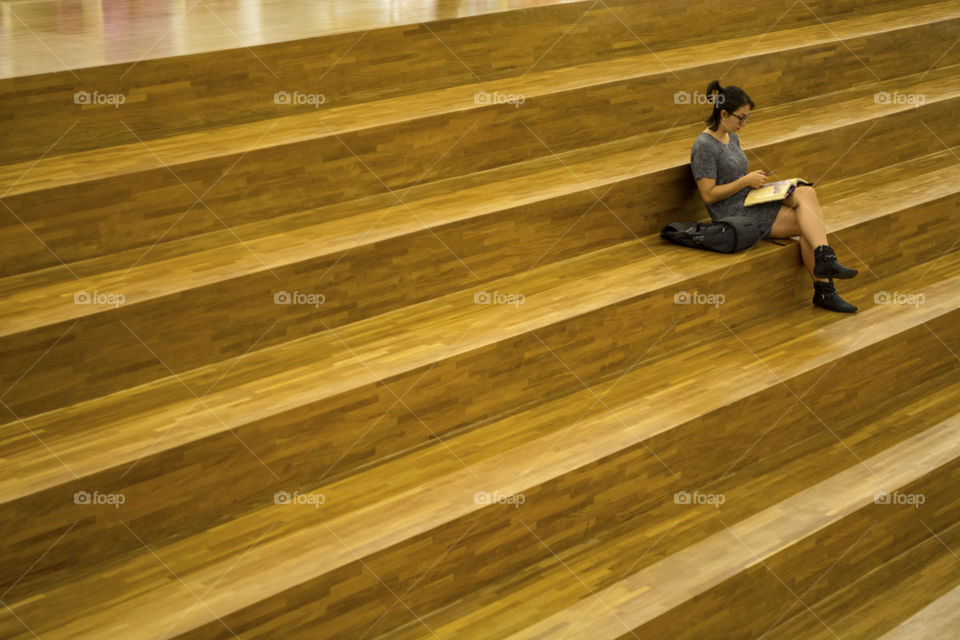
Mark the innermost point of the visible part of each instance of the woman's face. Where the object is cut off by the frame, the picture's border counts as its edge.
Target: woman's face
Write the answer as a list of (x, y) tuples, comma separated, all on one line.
[(733, 121)]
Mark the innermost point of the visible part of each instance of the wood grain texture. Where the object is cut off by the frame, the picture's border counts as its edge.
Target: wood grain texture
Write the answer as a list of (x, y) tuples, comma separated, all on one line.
[(937, 620), (238, 174), (453, 467), (760, 558), (251, 52), (596, 439), (416, 265), (624, 548)]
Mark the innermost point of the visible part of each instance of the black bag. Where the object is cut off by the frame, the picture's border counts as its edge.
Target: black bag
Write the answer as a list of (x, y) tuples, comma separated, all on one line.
[(728, 235)]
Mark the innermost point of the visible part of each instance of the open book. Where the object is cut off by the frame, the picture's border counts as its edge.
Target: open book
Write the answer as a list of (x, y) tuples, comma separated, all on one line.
[(769, 192)]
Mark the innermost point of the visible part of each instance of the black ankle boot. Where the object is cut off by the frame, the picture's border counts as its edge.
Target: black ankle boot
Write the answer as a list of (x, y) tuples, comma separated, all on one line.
[(827, 266), (825, 295)]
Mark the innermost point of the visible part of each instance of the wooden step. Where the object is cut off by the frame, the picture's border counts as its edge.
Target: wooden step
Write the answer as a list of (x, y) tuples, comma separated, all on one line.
[(601, 169), (230, 75), (629, 262), (583, 310), (238, 174), (267, 399), (938, 620), (178, 306), (518, 600), (691, 593), (749, 368), (393, 414), (885, 598)]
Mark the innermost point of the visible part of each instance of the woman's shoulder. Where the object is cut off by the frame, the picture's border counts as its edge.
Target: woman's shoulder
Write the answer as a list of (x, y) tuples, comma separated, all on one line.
[(702, 138), (703, 143)]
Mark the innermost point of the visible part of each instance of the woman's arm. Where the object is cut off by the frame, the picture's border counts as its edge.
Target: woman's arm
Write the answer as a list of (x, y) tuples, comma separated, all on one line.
[(711, 192)]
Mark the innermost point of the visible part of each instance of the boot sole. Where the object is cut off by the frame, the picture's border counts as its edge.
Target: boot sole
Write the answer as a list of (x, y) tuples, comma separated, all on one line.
[(854, 310), (838, 276)]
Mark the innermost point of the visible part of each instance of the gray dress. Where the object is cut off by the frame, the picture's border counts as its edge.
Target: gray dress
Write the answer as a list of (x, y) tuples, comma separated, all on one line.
[(710, 158)]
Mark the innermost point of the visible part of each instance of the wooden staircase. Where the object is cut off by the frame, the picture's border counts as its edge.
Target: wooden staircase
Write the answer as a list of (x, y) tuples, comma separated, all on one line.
[(415, 363)]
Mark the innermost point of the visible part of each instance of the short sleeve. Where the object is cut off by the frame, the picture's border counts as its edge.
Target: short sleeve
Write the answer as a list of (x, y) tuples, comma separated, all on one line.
[(703, 162)]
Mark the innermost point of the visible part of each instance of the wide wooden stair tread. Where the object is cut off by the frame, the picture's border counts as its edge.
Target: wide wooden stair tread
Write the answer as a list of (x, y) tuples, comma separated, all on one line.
[(46, 296), (296, 372), (446, 475), (70, 168), (142, 36), (607, 559), (862, 608), (585, 403), (938, 620), (665, 585)]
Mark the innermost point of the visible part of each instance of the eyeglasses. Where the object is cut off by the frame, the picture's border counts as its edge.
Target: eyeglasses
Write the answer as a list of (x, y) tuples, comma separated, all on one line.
[(739, 117)]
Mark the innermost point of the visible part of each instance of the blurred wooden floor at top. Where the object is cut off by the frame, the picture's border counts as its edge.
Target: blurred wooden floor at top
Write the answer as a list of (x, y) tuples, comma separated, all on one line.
[(41, 36)]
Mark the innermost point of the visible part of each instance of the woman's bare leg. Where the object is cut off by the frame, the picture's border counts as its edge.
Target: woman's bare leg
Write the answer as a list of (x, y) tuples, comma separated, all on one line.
[(806, 253), (809, 215), (787, 225)]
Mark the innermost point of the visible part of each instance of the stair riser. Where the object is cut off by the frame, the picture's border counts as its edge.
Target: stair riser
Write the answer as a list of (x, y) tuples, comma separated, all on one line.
[(882, 599), (695, 451), (598, 563), (195, 487), (562, 513), (598, 346), (138, 208), (235, 86), (879, 248), (187, 330), (754, 599)]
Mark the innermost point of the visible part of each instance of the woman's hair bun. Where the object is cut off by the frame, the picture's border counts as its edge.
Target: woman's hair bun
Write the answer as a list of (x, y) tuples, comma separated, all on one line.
[(713, 86)]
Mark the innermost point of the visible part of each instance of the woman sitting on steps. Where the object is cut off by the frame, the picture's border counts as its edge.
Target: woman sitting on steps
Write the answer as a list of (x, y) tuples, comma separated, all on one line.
[(720, 170)]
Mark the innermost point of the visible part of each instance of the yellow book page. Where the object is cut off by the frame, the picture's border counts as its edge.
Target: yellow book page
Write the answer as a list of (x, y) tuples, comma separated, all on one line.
[(772, 191)]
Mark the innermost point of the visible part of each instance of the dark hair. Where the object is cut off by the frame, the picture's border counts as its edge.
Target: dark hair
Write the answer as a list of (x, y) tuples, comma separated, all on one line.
[(728, 98)]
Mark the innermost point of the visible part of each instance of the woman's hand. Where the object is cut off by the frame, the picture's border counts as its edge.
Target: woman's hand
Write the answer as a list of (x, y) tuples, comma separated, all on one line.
[(754, 179)]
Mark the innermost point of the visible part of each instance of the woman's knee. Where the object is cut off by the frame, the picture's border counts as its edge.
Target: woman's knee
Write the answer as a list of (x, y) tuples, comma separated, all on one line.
[(803, 193), (785, 225)]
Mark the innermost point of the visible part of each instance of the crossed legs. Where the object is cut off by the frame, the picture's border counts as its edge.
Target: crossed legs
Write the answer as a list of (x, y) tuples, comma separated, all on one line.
[(800, 215)]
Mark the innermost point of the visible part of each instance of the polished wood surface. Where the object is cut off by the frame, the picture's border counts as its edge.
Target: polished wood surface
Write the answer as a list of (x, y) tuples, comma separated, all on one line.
[(630, 272), (938, 620), (881, 599), (436, 484), (458, 52), (599, 562), (250, 171), (43, 36), (283, 386), (824, 521), (586, 402)]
